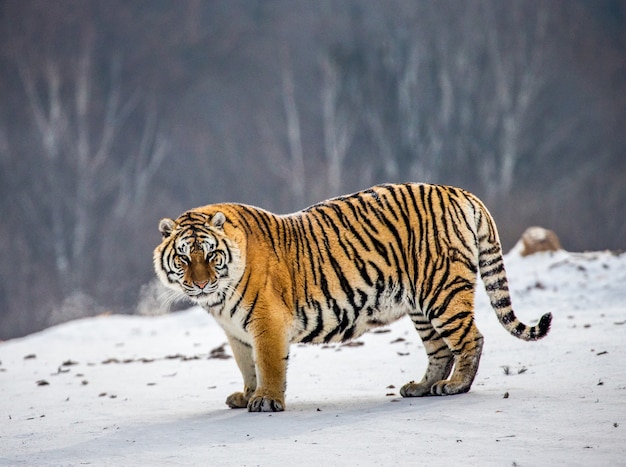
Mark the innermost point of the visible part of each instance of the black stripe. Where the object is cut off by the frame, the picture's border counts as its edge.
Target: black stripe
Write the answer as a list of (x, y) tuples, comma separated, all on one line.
[(248, 318), (501, 284), (320, 324), (302, 315), (264, 221), (504, 302), (544, 324), (508, 318), (311, 241), (246, 277)]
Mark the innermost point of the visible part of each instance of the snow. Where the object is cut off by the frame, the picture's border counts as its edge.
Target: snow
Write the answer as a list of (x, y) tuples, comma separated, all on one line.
[(130, 390)]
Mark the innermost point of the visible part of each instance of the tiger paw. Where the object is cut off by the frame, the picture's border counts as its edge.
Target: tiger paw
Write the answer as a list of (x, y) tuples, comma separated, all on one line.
[(448, 388), (237, 400), (265, 404), (414, 389)]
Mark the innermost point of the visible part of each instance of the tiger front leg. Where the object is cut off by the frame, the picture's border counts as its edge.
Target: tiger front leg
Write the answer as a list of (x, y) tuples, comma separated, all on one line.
[(271, 350), (245, 361)]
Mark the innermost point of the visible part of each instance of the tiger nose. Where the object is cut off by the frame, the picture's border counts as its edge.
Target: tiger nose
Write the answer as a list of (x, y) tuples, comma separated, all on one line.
[(201, 284)]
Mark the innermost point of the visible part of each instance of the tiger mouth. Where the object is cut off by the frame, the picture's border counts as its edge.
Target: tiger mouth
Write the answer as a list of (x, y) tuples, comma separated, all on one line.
[(208, 293), (204, 293), (210, 300)]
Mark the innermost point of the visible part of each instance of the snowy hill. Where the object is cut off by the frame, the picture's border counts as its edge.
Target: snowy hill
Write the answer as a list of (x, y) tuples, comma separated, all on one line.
[(121, 390)]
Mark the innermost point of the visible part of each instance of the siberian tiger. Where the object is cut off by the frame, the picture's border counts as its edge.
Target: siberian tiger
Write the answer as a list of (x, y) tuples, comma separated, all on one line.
[(337, 269)]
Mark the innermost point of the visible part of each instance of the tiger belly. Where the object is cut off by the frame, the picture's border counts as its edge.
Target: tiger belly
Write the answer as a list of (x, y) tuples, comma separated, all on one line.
[(328, 323)]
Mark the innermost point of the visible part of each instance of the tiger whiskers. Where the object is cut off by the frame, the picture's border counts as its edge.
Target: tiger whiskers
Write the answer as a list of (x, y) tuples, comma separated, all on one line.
[(169, 297)]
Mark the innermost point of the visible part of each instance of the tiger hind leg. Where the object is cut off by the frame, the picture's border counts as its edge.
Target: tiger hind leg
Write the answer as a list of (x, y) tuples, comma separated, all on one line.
[(466, 360), (440, 359), (453, 340), (457, 328)]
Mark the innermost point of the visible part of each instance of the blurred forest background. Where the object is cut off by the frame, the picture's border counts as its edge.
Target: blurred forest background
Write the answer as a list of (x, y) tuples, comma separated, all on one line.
[(116, 113)]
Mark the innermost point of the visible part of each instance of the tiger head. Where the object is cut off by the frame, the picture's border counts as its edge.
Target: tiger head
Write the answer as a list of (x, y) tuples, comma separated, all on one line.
[(197, 259)]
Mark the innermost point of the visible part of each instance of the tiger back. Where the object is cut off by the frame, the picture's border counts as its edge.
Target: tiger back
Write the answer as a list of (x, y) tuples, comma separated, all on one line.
[(335, 270)]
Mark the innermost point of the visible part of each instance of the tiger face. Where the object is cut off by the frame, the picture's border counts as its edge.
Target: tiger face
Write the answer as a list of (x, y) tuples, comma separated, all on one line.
[(196, 258)]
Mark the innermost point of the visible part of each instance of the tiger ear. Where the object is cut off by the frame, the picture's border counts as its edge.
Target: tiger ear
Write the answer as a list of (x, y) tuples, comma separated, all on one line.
[(166, 226), (218, 220)]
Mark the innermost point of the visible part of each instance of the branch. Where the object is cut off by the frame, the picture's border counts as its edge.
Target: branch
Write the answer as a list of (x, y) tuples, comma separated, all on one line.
[(294, 138)]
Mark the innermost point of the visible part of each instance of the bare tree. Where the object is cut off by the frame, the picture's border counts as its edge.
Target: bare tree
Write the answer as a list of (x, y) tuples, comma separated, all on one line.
[(463, 96), (78, 137), (520, 70), (138, 171), (297, 174), (283, 145), (408, 116), (339, 124), (51, 123)]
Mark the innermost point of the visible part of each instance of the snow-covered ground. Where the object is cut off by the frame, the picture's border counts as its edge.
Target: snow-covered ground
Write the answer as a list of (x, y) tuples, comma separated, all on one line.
[(122, 390)]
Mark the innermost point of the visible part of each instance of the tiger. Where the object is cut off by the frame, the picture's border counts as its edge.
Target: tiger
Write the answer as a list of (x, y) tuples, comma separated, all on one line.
[(334, 270)]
